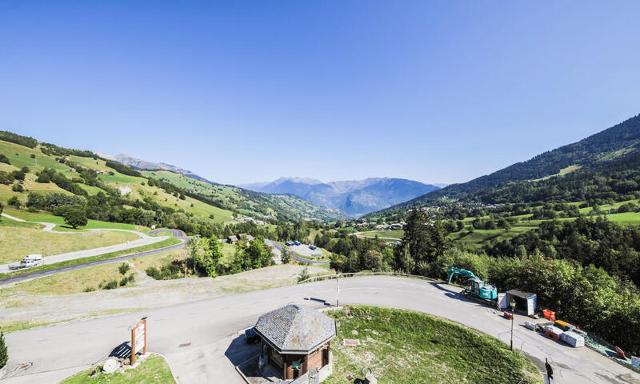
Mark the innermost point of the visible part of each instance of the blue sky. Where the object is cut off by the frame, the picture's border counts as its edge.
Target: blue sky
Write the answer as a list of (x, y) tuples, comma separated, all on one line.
[(241, 91)]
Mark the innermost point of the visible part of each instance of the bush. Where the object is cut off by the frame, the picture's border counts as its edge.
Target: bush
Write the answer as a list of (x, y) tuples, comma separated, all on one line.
[(304, 275), (14, 202), (4, 159), (113, 284), (89, 289), (4, 354), (17, 187), (124, 268)]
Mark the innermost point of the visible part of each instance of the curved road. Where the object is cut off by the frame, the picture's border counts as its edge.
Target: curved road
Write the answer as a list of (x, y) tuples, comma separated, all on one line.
[(197, 338), (37, 274)]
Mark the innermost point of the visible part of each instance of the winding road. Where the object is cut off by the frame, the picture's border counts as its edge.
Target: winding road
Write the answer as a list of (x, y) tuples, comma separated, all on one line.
[(144, 239), (198, 338)]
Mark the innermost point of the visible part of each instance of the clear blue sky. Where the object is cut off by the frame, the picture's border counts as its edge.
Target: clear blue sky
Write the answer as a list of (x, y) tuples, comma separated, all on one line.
[(438, 91)]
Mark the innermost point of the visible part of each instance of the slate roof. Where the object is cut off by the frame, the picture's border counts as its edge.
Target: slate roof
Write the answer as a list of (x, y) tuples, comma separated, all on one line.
[(294, 329)]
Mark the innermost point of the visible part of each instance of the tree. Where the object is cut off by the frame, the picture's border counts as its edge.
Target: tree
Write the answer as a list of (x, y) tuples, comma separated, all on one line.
[(425, 240), (4, 355), (373, 260), (14, 202), (286, 256), (203, 263), (258, 254), (75, 217)]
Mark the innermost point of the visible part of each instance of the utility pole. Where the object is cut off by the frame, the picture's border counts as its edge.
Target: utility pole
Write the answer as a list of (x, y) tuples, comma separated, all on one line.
[(512, 304), (338, 291)]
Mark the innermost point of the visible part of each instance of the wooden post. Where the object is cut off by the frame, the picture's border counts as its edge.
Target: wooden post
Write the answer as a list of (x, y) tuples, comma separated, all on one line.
[(132, 359), (144, 322)]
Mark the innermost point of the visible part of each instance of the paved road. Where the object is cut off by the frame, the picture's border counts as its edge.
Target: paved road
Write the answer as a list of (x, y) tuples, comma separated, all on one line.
[(197, 338), (277, 250), (143, 240), (34, 275)]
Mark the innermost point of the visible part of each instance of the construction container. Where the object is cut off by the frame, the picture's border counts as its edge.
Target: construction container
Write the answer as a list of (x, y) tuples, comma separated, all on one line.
[(573, 339), (503, 303), (552, 332), (563, 325), (549, 314)]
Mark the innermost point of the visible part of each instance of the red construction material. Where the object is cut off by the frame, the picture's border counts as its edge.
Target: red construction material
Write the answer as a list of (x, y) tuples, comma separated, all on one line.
[(552, 335), (549, 314), (507, 315)]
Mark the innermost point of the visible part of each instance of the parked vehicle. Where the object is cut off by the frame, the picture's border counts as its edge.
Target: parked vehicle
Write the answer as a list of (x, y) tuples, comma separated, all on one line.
[(296, 243), (313, 247), (28, 262)]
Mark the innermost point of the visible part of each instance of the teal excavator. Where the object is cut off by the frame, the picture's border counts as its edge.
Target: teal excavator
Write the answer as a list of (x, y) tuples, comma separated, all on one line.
[(474, 286)]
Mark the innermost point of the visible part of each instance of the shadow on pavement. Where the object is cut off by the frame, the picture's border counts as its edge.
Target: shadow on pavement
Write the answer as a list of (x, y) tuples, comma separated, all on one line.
[(239, 351), (122, 351)]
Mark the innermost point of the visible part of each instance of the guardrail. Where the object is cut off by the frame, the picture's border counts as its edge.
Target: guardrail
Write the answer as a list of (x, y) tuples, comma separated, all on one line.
[(314, 279)]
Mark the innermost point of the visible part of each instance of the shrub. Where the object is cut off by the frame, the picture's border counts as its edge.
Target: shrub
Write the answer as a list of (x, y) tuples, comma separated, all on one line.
[(124, 268), (113, 284), (17, 187), (14, 202), (89, 289), (4, 159), (124, 281), (304, 275), (4, 355)]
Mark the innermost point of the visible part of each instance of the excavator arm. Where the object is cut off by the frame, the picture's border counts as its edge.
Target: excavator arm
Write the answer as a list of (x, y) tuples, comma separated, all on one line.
[(454, 271)]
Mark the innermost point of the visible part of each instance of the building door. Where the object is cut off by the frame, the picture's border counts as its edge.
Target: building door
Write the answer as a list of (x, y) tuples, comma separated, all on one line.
[(325, 357)]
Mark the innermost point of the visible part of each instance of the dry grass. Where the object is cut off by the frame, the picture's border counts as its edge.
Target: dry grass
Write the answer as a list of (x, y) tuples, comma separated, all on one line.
[(19, 241), (70, 282)]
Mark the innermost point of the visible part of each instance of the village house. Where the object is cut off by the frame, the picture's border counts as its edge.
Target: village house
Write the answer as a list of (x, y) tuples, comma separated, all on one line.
[(296, 341)]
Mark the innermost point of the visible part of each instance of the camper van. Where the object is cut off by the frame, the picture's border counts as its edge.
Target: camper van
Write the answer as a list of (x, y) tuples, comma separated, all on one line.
[(28, 262)]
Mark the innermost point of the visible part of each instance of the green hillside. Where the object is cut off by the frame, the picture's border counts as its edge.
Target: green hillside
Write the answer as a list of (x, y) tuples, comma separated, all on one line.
[(46, 177), (245, 202)]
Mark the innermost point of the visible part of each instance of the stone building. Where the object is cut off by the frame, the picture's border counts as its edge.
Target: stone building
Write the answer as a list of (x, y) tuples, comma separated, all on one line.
[(296, 341)]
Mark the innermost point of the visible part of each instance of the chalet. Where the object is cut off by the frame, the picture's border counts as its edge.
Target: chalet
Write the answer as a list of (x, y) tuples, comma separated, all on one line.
[(232, 239), (296, 341)]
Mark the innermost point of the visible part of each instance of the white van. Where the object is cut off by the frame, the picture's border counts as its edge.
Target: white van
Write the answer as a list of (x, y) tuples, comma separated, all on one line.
[(32, 261)]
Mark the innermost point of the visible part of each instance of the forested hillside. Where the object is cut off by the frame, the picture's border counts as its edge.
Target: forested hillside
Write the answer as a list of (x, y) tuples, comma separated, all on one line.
[(604, 165)]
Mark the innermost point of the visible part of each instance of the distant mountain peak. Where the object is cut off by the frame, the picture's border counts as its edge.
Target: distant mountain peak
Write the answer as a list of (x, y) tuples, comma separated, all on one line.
[(353, 197)]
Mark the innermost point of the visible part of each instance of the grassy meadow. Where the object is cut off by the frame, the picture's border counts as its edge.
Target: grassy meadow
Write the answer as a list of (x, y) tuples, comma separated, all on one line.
[(153, 370), (403, 347), (20, 240)]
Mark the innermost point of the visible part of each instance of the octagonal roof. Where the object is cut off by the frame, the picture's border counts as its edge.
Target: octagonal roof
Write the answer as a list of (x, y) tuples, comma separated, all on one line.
[(294, 329)]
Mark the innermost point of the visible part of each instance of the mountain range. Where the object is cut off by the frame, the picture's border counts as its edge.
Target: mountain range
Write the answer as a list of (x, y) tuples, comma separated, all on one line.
[(603, 166), (354, 197)]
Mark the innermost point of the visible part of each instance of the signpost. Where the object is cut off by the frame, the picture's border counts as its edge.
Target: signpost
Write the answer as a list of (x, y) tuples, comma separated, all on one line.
[(138, 339)]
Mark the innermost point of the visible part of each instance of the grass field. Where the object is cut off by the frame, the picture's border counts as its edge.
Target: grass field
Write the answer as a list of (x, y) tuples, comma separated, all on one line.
[(19, 241), (152, 370), (78, 281), (383, 234), (59, 220), (403, 347), (165, 243)]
